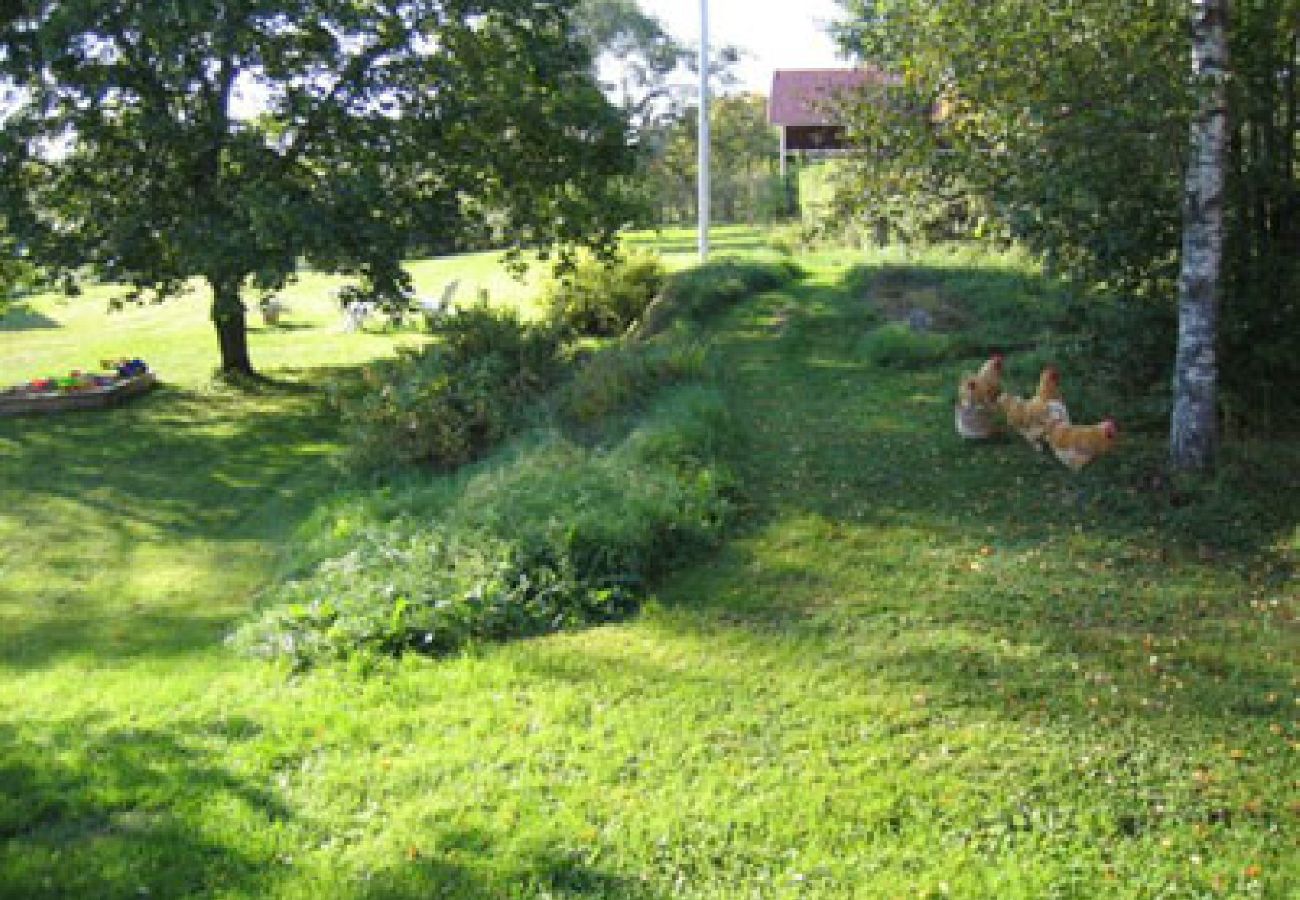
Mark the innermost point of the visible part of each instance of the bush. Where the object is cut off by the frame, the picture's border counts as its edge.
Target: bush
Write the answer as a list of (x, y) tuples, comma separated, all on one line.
[(895, 345), (546, 533), (548, 536), (601, 298), (787, 240), (449, 403)]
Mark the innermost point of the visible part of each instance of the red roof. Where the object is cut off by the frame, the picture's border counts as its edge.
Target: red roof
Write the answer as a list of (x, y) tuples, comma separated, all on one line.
[(805, 96)]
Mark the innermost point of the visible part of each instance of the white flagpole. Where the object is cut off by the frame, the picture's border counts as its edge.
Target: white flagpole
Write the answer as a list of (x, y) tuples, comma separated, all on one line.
[(704, 131)]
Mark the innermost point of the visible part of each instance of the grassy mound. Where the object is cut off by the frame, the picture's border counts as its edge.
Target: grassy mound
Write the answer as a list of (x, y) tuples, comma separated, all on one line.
[(626, 476), (547, 535)]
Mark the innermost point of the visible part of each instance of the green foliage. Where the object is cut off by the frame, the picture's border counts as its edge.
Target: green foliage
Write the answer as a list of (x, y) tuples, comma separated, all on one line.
[(408, 144), (698, 293), (547, 536), (645, 54), (894, 345), (785, 239), (1067, 129), (745, 181), (618, 378), (450, 402), (602, 298)]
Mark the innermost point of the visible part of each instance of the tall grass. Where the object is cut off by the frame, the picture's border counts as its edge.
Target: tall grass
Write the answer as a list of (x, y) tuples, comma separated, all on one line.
[(695, 295), (547, 535), (550, 533)]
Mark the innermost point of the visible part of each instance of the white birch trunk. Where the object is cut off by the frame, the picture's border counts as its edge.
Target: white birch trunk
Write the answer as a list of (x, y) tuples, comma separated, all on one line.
[(1194, 431)]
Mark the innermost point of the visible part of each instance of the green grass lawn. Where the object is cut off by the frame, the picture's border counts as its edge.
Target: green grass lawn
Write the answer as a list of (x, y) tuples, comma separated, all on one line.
[(921, 667)]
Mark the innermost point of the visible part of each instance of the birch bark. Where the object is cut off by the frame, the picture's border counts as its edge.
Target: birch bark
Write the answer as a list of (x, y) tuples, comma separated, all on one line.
[(1194, 430)]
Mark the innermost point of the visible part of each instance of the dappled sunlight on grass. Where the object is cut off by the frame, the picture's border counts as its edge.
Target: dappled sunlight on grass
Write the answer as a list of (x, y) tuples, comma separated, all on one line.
[(159, 510), (922, 667)]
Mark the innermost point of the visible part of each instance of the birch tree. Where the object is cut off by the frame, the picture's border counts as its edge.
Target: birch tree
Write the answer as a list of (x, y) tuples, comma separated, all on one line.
[(1194, 433)]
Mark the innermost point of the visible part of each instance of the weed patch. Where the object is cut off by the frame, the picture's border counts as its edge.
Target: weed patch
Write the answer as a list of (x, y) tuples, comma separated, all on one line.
[(602, 299), (449, 403)]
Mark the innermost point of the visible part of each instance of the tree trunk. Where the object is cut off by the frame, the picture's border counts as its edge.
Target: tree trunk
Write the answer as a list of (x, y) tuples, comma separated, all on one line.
[(228, 316), (1194, 431)]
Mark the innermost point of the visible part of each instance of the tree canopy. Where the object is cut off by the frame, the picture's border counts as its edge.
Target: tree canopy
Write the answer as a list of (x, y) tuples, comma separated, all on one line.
[(1065, 126), (643, 54), (150, 142)]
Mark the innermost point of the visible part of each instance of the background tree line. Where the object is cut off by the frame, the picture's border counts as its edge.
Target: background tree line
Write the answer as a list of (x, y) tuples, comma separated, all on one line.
[(744, 167), (653, 77)]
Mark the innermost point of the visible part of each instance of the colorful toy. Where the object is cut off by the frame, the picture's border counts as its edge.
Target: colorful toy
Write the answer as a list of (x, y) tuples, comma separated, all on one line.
[(125, 368)]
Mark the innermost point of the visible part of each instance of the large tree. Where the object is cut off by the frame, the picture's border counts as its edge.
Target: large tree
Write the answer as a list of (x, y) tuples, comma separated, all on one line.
[(149, 142)]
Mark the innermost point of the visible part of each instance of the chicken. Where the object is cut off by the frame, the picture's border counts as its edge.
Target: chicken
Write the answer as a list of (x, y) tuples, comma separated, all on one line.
[(966, 391), (1049, 384), (1031, 418), (973, 419), (1078, 445), (987, 381)]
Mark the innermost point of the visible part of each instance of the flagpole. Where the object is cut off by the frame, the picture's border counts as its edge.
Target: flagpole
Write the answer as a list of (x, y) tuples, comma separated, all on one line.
[(704, 131)]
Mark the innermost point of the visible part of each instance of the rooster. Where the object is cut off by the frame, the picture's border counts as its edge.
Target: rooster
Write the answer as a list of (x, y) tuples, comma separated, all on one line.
[(1032, 417), (1078, 445)]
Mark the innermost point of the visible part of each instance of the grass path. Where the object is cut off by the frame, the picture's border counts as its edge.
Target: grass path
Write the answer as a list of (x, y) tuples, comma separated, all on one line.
[(922, 669)]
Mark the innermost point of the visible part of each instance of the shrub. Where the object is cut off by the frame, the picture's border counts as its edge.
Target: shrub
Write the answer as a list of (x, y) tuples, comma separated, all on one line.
[(449, 403), (895, 345), (786, 239), (548, 536), (602, 298)]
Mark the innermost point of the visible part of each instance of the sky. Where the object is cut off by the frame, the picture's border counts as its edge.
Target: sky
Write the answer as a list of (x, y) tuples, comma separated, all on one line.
[(780, 34)]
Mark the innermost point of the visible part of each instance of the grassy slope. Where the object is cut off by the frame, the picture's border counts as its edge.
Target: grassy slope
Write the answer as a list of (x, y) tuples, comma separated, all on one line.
[(923, 666)]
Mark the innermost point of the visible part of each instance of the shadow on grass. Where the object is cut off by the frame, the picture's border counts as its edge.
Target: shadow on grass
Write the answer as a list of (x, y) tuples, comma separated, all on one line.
[(117, 812), (717, 244), (89, 811), (858, 485), (122, 527), (177, 461), (497, 875), (283, 326), (21, 317), (880, 443)]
